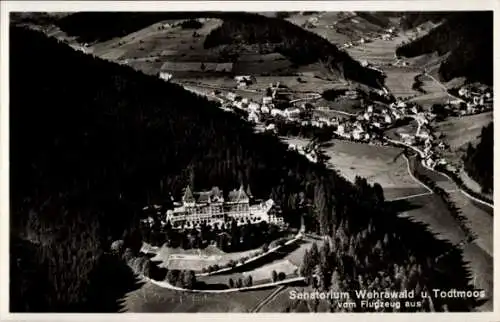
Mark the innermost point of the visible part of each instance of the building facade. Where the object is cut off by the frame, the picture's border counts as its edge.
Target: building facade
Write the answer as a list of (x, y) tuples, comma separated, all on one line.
[(211, 207)]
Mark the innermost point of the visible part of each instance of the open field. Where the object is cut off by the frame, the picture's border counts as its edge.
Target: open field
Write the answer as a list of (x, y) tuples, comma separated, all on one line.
[(429, 85), (395, 132), (281, 262), (194, 259), (473, 185), (432, 211), (480, 220), (264, 272), (427, 100), (167, 43), (400, 80), (151, 298), (459, 131), (379, 52), (381, 164)]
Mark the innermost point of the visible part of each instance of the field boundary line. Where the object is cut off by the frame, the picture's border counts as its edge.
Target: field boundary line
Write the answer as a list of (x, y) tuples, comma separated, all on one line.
[(414, 178), (267, 299)]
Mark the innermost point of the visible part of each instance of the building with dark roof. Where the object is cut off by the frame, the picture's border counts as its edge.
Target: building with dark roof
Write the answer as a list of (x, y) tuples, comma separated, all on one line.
[(212, 206)]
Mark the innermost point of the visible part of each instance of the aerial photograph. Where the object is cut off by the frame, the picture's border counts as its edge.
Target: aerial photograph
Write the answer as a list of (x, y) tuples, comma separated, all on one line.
[(237, 162)]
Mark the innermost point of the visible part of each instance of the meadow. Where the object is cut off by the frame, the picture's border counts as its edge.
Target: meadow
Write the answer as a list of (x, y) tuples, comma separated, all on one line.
[(196, 259), (382, 164), (431, 211), (151, 298)]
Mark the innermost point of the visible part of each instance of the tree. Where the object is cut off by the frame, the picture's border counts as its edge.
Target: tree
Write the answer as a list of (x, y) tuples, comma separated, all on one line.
[(127, 255), (248, 281), (146, 268), (274, 276), (239, 283), (281, 276), (189, 279), (117, 247), (321, 208), (203, 67), (231, 283)]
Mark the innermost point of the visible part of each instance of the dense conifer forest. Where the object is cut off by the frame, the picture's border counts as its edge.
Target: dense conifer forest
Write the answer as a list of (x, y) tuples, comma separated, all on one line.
[(295, 43), (466, 36), (93, 142), (478, 161)]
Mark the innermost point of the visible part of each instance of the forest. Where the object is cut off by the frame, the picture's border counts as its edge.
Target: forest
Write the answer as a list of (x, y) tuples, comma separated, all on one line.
[(478, 161), (468, 38), (93, 142), (295, 43)]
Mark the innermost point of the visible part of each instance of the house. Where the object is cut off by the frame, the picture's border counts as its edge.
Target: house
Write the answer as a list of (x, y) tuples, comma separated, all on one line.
[(387, 119), (166, 76), (271, 127), (267, 100), (231, 96), (252, 106), (244, 100), (265, 109), (369, 109), (248, 79), (253, 117), (357, 133), (292, 112), (276, 111), (463, 92)]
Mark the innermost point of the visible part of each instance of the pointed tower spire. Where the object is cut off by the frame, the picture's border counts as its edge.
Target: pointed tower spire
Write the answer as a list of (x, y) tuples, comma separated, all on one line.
[(241, 194), (188, 195), (249, 192)]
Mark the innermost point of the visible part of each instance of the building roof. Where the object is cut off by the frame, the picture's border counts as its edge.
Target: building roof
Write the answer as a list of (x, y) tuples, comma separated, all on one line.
[(188, 195), (213, 195), (238, 195)]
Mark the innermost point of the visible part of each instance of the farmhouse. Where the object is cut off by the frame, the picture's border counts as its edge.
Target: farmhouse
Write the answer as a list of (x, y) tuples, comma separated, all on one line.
[(166, 76), (197, 67)]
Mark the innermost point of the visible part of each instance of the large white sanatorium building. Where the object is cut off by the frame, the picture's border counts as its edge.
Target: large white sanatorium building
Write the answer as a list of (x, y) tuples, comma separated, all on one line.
[(210, 207)]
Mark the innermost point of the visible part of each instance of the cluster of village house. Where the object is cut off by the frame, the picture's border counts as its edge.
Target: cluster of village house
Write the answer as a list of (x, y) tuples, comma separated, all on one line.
[(473, 100), (358, 128)]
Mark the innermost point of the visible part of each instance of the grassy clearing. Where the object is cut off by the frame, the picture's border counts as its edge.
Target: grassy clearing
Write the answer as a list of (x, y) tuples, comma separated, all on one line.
[(479, 220), (159, 46), (432, 211), (400, 81), (395, 133), (151, 298), (283, 262), (427, 100), (430, 86), (381, 164), (194, 259), (459, 131)]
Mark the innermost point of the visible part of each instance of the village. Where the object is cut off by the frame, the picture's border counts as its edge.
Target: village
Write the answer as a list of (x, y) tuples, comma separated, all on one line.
[(368, 125)]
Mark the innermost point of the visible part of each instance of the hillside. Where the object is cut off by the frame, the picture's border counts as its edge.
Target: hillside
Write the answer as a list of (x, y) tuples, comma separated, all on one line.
[(92, 137), (478, 161), (292, 41), (467, 38), (239, 29), (93, 142)]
